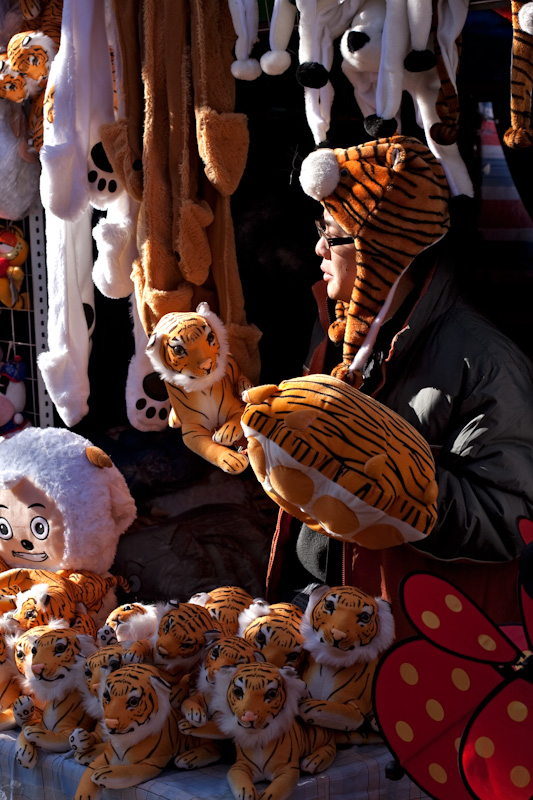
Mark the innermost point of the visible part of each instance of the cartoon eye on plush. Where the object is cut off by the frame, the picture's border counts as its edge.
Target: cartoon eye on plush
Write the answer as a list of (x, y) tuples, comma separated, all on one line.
[(40, 527), (454, 704)]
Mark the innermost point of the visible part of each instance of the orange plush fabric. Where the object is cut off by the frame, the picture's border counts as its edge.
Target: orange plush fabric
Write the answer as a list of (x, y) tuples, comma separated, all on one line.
[(391, 195), (340, 461)]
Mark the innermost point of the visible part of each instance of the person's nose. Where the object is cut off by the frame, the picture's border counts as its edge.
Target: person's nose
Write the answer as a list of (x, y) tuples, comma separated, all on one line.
[(321, 249)]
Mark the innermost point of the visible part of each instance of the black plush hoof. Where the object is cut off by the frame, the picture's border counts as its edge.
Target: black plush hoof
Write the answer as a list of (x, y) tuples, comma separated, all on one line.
[(312, 75), (419, 60), (380, 128)]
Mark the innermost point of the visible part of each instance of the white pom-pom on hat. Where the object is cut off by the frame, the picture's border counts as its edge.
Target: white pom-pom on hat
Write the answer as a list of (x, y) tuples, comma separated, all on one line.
[(320, 174), (275, 62), (247, 70)]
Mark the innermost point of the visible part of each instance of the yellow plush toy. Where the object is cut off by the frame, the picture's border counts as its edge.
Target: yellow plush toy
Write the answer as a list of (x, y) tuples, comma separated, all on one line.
[(341, 461), (204, 383)]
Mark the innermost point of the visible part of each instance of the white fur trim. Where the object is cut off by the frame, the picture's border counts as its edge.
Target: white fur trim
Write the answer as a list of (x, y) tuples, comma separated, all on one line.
[(259, 608), (320, 174), (525, 18)]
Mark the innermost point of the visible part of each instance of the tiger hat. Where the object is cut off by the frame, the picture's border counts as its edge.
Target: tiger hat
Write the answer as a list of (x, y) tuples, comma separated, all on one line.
[(391, 195)]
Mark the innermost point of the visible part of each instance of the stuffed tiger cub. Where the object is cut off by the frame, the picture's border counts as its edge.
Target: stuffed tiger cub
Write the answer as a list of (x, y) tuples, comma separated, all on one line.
[(276, 634), (142, 730), (345, 631), (88, 744), (50, 658), (204, 383), (257, 706), (9, 682), (225, 604), (131, 622)]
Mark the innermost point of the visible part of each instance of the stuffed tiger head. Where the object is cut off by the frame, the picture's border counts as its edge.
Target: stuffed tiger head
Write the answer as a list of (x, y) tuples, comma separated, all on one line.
[(12, 85), (97, 667), (43, 603), (343, 625), (341, 461), (391, 196), (189, 349), (31, 54), (51, 659), (277, 636), (136, 703), (134, 621), (225, 652), (225, 604), (183, 635), (256, 703)]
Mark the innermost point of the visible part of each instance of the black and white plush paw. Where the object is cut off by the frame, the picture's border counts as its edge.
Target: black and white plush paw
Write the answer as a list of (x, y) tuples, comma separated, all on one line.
[(104, 187), (150, 407)]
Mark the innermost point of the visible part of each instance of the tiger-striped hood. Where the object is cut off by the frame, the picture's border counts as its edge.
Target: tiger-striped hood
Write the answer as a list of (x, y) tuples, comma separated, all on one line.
[(391, 195)]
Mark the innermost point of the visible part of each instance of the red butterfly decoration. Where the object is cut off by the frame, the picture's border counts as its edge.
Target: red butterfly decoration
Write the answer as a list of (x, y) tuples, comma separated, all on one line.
[(455, 705)]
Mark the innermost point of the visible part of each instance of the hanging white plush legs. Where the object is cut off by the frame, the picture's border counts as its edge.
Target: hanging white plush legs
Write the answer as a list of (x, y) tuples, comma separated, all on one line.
[(278, 60), (245, 18), (147, 403), (70, 315), (116, 241)]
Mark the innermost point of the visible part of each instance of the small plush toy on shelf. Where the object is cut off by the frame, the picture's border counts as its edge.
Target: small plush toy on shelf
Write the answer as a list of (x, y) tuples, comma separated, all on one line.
[(12, 397), (64, 506), (13, 253), (204, 383)]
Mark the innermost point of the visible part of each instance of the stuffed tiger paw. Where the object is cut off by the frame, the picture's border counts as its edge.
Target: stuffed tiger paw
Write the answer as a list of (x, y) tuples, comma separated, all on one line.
[(204, 383), (81, 741), (23, 710)]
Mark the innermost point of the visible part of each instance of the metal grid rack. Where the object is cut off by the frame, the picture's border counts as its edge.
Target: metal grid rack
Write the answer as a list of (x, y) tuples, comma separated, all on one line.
[(23, 331)]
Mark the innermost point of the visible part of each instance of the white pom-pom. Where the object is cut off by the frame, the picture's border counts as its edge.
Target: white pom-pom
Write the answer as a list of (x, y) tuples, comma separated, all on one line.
[(525, 18), (275, 62), (319, 174), (247, 70)]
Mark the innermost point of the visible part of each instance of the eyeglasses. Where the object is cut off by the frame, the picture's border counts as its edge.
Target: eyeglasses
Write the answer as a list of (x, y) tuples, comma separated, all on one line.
[(331, 241)]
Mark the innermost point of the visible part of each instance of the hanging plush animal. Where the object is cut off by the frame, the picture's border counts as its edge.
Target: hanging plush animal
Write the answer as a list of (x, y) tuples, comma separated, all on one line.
[(341, 462), (50, 658), (204, 383), (391, 195), (345, 631), (257, 706), (520, 134), (225, 604), (13, 253)]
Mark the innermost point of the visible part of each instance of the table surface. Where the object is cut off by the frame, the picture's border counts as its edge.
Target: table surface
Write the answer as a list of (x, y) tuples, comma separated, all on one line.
[(358, 773)]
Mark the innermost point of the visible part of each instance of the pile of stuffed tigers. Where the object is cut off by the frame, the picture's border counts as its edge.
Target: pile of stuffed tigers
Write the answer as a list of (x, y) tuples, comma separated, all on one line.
[(268, 688)]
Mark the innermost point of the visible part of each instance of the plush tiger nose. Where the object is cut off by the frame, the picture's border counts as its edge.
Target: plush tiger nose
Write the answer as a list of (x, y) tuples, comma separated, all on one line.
[(249, 716), (111, 723), (162, 651), (207, 364), (37, 668), (337, 634)]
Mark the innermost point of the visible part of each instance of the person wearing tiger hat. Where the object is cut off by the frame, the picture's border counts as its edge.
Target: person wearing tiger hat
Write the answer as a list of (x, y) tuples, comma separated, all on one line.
[(409, 340)]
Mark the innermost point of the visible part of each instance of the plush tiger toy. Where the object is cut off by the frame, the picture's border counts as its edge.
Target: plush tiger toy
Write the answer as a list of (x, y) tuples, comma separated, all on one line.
[(50, 658), (131, 622), (391, 195), (520, 132), (256, 706), (204, 383), (10, 687), (88, 744), (178, 645), (345, 631), (142, 730), (227, 651), (276, 634), (341, 462), (37, 596), (225, 604)]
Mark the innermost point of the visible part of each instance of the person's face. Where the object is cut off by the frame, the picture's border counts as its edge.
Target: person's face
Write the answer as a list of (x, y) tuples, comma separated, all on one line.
[(338, 262), (32, 528)]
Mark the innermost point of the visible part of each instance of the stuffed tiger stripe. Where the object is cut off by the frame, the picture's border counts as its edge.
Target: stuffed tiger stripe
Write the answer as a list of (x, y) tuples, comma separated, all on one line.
[(391, 195), (225, 604), (520, 133), (275, 633), (341, 462)]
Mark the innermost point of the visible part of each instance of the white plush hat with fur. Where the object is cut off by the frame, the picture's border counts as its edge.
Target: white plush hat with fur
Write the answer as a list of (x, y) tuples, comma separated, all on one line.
[(95, 501)]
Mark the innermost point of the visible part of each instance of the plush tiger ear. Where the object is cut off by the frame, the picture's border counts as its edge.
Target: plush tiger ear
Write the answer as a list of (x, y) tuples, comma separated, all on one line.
[(97, 457), (396, 156)]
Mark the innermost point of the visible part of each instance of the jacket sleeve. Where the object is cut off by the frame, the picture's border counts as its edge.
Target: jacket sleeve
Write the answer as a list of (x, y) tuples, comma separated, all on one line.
[(484, 463)]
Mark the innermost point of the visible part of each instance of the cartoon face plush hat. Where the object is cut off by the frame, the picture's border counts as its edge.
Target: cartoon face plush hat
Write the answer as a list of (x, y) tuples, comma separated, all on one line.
[(82, 481), (391, 195)]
